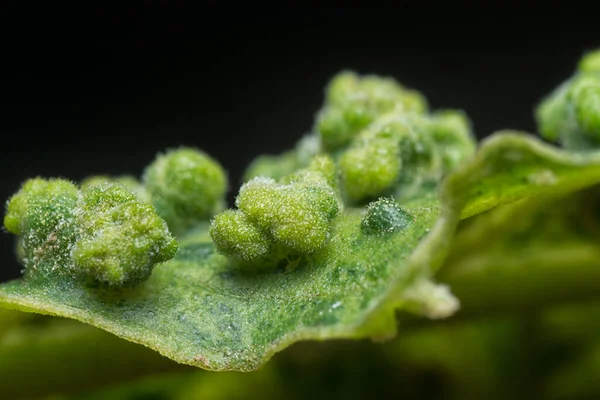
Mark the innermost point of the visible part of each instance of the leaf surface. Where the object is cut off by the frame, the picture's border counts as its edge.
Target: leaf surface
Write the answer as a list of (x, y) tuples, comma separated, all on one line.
[(197, 310)]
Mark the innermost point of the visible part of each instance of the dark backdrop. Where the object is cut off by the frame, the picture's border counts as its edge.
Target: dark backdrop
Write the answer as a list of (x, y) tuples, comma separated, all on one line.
[(104, 91)]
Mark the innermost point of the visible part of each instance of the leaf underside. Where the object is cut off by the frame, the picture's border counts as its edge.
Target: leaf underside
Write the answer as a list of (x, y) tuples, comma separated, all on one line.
[(530, 252), (197, 310)]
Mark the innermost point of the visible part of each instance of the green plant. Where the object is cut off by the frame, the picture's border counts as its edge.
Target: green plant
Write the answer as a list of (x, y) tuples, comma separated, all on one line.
[(387, 216)]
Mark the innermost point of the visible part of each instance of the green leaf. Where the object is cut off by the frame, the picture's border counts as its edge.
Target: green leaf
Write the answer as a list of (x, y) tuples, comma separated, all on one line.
[(198, 310), (510, 166), (531, 252)]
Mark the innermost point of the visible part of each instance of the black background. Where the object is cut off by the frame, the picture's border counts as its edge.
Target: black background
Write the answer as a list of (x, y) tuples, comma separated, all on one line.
[(103, 91)]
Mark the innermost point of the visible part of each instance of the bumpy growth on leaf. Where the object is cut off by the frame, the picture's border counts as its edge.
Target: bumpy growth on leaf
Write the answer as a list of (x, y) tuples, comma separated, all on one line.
[(103, 234), (42, 213), (276, 219), (571, 113), (185, 186), (199, 309), (371, 167), (384, 139), (278, 166), (451, 133), (272, 166), (130, 182), (238, 237), (120, 238), (384, 216), (399, 150), (590, 62), (353, 102)]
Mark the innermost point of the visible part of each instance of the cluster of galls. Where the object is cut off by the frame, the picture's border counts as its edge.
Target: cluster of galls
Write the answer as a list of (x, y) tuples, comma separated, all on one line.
[(382, 138), (570, 115), (379, 141), (114, 230), (275, 220), (373, 136), (184, 185)]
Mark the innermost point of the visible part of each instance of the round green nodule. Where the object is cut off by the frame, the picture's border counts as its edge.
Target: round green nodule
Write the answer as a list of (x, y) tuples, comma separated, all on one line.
[(185, 186), (121, 239), (385, 216)]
